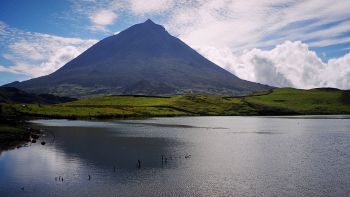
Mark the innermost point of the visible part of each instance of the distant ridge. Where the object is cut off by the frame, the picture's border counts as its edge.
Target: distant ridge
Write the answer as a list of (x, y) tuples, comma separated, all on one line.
[(145, 51), (14, 95)]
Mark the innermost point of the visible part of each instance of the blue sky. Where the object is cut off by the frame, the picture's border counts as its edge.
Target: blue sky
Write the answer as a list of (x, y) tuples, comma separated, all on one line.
[(302, 44)]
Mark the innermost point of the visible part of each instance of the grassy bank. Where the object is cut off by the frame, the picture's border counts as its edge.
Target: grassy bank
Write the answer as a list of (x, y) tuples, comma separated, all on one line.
[(9, 133), (13, 137), (282, 101)]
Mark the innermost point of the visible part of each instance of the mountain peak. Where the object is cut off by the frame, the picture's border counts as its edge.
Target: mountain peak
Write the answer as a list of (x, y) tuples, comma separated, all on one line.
[(149, 21), (149, 24), (117, 65)]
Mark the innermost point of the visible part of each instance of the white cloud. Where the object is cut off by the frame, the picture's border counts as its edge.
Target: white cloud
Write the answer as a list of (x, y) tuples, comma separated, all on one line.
[(3, 28), (103, 17), (60, 58), (141, 7), (22, 68), (337, 73), (97, 28), (328, 42), (5, 69), (239, 24), (223, 57), (104, 12), (257, 23), (36, 46), (36, 54), (290, 64), (27, 50)]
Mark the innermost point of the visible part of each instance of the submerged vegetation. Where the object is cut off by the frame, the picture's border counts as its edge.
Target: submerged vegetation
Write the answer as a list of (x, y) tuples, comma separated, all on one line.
[(281, 101)]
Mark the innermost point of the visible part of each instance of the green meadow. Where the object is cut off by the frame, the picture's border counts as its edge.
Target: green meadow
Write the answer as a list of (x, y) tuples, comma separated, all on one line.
[(304, 102), (136, 106), (281, 101)]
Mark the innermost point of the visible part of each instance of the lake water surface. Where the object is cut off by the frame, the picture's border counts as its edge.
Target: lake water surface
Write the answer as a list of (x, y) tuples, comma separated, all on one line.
[(202, 156)]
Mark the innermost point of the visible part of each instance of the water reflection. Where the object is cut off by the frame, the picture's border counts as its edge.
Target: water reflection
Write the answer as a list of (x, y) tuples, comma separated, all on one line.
[(240, 156)]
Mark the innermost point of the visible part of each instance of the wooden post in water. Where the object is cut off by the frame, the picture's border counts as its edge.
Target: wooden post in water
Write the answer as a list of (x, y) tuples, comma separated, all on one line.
[(53, 136)]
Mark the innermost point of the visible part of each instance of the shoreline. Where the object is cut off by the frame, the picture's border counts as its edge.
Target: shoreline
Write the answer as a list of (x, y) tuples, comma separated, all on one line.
[(12, 137), (8, 146)]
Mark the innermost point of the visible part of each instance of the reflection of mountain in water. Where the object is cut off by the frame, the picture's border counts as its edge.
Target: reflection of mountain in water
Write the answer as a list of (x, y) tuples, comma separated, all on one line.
[(104, 147)]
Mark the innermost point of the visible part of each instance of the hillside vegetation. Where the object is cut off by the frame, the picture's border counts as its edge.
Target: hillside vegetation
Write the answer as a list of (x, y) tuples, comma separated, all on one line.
[(15, 95), (281, 101)]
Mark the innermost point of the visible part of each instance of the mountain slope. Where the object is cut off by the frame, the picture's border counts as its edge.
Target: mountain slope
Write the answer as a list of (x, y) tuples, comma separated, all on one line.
[(143, 51), (145, 87)]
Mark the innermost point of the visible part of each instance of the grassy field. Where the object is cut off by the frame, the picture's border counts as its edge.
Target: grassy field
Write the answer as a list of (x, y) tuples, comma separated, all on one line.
[(133, 106), (281, 101), (305, 102)]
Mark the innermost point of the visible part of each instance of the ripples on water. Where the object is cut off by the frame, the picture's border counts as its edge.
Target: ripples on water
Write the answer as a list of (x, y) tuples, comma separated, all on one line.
[(239, 156)]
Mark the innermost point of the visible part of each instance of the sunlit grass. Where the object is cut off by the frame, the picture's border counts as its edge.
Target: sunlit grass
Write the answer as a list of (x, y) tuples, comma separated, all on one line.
[(282, 101), (314, 101)]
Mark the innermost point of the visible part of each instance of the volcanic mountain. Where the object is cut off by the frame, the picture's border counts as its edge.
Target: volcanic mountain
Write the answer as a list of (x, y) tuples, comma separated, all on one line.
[(143, 59)]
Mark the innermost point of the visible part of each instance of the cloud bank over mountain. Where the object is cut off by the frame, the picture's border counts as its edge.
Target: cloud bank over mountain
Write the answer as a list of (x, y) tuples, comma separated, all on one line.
[(240, 34), (290, 64)]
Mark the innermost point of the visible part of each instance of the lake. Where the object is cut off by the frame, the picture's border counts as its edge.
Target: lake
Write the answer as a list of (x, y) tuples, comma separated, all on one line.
[(183, 156)]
